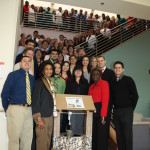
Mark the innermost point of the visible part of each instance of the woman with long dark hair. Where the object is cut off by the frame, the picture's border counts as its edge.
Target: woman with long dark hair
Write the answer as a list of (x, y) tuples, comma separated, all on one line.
[(44, 106), (86, 67), (77, 85), (99, 91), (65, 70), (37, 62)]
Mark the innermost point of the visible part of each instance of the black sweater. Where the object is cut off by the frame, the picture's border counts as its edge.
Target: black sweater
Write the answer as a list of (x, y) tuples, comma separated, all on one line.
[(124, 93)]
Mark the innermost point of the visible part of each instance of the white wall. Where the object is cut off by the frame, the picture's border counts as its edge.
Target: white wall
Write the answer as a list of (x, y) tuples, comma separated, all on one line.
[(9, 29), (53, 34)]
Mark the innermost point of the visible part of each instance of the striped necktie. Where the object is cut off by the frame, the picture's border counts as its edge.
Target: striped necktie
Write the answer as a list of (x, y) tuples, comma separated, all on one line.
[(28, 89), (56, 84)]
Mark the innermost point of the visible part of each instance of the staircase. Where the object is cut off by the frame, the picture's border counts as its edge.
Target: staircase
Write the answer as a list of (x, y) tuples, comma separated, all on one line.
[(118, 35)]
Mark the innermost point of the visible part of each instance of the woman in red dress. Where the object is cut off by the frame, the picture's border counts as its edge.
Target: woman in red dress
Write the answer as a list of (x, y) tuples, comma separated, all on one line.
[(99, 91)]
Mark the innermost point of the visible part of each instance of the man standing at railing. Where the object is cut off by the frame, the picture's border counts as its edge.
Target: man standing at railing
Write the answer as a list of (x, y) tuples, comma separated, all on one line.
[(80, 20), (72, 17), (25, 12), (59, 17), (31, 18), (91, 40)]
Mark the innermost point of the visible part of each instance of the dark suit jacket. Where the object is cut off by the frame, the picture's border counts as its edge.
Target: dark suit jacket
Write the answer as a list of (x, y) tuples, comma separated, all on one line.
[(42, 100), (109, 76)]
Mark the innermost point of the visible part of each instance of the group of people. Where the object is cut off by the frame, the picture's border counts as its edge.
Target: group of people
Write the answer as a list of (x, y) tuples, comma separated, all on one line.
[(73, 20), (42, 71)]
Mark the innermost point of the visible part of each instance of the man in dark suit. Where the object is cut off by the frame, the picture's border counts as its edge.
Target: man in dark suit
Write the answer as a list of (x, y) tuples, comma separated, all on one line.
[(81, 53), (125, 97), (109, 76)]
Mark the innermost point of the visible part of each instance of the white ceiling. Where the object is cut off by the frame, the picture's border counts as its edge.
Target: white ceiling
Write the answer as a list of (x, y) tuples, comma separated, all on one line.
[(135, 8)]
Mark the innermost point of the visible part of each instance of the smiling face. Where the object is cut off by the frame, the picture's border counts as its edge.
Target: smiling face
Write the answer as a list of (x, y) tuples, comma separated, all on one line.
[(73, 60), (94, 63), (30, 45), (78, 73), (60, 58), (57, 69), (71, 50), (118, 69), (25, 63), (45, 45), (29, 54), (64, 50), (81, 53), (48, 71), (101, 62), (85, 61), (96, 76), (54, 55), (38, 54), (65, 67)]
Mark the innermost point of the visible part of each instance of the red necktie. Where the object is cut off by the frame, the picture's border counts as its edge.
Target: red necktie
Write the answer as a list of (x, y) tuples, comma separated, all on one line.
[(102, 70)]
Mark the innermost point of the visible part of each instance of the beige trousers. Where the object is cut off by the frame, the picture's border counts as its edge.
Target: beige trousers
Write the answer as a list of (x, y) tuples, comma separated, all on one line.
[(19, 127), (43, 136)]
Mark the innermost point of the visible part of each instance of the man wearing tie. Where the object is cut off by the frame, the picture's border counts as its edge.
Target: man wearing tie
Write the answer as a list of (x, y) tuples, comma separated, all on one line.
[(109, 76), (16, 101), (125, 98)]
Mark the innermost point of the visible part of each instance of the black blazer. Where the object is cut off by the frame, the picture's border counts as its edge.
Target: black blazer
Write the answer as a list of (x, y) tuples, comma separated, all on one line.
[(71, 87), (42, 100), (109, 76)]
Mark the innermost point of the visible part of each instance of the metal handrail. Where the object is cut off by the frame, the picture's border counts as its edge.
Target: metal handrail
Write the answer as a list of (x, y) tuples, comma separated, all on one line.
[(119, 34), (49, 21)]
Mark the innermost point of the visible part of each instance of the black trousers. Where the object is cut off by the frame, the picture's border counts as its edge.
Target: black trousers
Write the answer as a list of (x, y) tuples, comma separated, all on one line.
[(123, 121), (100, 133), (33, 146)]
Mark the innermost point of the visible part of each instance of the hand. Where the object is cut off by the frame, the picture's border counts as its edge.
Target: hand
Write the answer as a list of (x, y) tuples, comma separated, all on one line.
[(40, 123), (103, 120)]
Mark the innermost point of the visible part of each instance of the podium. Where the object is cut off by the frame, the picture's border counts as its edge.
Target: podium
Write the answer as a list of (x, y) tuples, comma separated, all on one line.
[(76, 142)]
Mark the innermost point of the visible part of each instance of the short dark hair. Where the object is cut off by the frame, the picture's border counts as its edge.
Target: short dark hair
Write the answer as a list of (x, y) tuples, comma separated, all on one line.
[(96, 69), (118, 62), (37, 51), (22, 34), (53, 50), (29, 40), (24, 57), (61, 35), (27, 49), (44, 41), (81, 48), (35, 31)]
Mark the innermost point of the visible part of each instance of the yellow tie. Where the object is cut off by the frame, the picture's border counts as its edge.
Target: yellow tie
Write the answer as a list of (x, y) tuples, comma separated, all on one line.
[(28, 89)]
